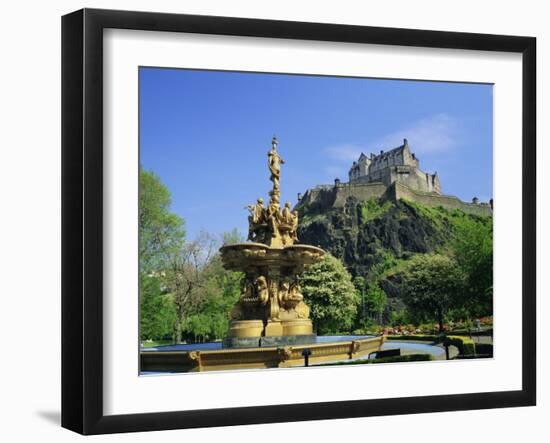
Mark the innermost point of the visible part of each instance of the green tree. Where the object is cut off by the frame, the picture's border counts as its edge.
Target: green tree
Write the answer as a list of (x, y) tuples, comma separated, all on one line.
[(161, 237), (375, 300), (430, 286), (161, 232), (329, 292), (209, 318), (399, 317), (185, 277), (203, 290), (157, 310), (360, 286), (232, 237), (472, 246)]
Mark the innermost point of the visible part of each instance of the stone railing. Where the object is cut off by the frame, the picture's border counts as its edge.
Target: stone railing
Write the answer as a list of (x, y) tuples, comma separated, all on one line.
[(256, 358)]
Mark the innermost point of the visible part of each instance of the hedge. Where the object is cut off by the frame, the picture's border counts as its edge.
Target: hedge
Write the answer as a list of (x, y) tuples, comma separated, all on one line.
[(418, 337), (465, 345), (472, 332)]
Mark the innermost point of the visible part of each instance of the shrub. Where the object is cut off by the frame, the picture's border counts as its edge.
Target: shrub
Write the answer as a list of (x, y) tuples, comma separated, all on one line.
[(372, 209), (331, 296), (430, 338), (465, 345)]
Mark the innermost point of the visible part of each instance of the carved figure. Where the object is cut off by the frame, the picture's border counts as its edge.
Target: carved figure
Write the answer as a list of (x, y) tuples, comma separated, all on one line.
[(289, 220), (273, 216), (295, 293), (293, 296), (256, 218), (285, 353), (284, 288), (262, 289), (274, 163), (294, 230), (302, 310), (257, 211), (286, 214)]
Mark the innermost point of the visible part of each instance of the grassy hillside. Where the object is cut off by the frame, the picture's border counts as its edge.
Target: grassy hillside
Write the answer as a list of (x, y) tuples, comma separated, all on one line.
[(377, 239), (363, 234)]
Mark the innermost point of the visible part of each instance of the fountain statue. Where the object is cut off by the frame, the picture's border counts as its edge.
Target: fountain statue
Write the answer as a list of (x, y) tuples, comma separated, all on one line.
[(270, 321), (271, 310)]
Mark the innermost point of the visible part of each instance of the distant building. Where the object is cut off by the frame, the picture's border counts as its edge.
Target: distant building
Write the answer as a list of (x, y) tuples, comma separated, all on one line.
[(390, 175), (397, 165)]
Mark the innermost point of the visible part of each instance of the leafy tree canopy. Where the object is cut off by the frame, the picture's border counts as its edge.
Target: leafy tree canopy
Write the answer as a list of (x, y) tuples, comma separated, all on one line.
[(161, 232), (208, 318), (331, 296), (157, 310), (431, 285), (472, 246)]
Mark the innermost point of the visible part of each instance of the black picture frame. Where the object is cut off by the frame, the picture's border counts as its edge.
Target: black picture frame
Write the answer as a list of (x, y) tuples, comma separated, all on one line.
[(82, 218)]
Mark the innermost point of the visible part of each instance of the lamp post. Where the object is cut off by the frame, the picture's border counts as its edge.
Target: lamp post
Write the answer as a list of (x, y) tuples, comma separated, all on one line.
[(306, 353)]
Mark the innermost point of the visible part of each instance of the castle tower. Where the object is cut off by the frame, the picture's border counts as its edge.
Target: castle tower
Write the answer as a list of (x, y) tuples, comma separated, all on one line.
[(396, 165)]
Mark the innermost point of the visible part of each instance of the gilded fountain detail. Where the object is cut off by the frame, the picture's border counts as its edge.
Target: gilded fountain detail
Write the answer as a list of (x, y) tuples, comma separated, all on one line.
[(271, 310)]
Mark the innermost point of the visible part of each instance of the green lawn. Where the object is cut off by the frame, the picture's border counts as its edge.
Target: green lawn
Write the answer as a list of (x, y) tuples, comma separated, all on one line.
[(152, 344)]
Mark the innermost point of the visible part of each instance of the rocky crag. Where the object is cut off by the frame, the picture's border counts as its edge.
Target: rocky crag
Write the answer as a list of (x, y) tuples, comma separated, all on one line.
[(364, 233)]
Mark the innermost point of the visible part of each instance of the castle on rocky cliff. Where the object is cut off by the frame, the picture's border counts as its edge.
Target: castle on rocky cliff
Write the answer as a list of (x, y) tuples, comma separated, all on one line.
[(397, 165), (390, 175)]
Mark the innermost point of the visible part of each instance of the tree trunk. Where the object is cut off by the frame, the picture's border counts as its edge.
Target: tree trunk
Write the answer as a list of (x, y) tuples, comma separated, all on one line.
[(177, 335)]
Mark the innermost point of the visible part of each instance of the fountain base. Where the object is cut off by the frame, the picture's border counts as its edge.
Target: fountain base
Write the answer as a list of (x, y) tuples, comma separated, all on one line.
[(256, 333), (263, 342), (271, 310), (211, 356), (288, 340)]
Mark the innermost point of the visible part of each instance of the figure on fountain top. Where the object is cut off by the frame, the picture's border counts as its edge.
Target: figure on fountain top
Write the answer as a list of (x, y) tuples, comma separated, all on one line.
[(274, 162), (270, 225)]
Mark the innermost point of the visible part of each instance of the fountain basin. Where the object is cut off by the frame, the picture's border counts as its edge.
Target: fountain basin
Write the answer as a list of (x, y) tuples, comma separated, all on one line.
[(241, 256), (211, 356)]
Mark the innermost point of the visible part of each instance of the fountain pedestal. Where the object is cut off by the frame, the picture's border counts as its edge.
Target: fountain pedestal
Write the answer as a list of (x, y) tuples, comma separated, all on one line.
[(271, 310)]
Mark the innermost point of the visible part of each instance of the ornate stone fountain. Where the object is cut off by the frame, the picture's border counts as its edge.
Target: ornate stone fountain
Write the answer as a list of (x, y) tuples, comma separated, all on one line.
[(270, 325), (271, 310)]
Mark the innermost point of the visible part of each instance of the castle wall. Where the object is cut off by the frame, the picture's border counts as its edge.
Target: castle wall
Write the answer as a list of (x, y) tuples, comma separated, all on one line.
[(416, 179), (361, 191), (408, 175), (399, 191), (335, 196)]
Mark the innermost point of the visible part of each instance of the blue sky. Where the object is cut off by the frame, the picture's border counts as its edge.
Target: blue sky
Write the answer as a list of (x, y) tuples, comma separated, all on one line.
[(207, 133)]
